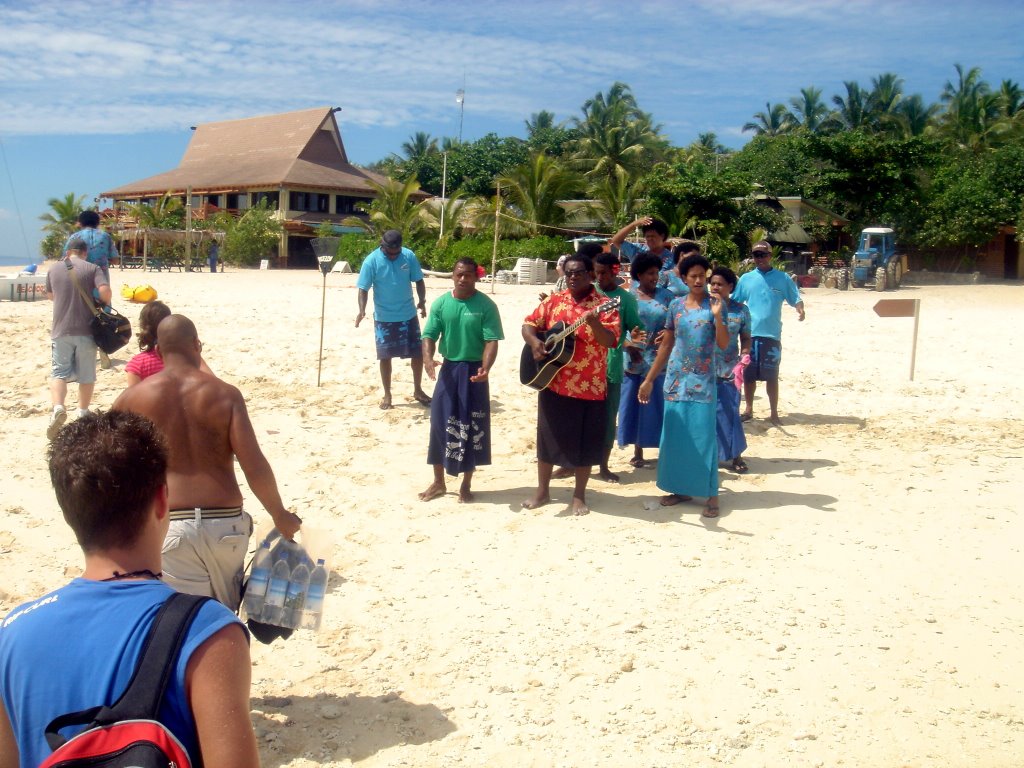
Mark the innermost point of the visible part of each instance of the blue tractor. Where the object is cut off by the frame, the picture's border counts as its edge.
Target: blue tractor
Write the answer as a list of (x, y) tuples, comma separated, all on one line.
[(876, 263)]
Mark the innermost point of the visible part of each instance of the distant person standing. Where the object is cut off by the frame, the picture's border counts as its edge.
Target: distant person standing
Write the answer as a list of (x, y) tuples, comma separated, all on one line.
[(101, 253), (469, 328), (390, 271), (101, 245), (606, 270), (72, 349), (731, 440), (213, 255), (763, 290)]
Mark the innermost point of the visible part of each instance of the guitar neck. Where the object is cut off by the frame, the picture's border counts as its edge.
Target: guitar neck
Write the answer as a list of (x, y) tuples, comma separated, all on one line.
[(571, 329)]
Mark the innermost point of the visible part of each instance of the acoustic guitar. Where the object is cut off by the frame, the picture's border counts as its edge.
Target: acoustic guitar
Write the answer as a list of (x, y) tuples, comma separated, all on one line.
[(559, 344)]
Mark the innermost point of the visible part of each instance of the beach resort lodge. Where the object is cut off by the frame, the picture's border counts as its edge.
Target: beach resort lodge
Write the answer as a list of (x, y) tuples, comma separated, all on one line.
[(296, 161)]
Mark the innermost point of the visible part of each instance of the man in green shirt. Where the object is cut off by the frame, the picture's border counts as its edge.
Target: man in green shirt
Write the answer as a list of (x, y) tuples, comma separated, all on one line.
[(606, 270), (469, 328)]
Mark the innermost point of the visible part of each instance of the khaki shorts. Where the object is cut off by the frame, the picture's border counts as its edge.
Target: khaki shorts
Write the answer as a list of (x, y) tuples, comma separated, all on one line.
[(207, 557)]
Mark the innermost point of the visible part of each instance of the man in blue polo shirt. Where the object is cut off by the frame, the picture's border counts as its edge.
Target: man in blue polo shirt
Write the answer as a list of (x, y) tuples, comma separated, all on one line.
[(763, 290), (390, 271)]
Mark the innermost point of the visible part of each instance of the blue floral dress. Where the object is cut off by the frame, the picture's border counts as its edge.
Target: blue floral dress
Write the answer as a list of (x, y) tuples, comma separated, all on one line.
[(640, 424), (731, 440), (688, 453)]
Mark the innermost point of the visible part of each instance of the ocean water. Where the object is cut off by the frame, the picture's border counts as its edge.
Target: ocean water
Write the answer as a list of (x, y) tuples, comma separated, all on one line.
[(7, 262)]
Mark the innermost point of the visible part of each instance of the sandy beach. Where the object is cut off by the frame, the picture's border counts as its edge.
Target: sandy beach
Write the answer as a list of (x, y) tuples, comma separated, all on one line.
[(855, 604)]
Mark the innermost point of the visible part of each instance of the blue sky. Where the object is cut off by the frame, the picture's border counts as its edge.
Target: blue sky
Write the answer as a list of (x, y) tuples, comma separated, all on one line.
[(93, 96)]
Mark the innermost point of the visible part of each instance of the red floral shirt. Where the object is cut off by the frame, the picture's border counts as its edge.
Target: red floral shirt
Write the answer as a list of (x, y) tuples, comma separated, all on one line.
[(583, 377)]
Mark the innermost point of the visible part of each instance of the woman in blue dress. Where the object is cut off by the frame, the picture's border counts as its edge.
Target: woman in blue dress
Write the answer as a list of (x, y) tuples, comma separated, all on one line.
[(731, 440), (639, 423), (688, 453)]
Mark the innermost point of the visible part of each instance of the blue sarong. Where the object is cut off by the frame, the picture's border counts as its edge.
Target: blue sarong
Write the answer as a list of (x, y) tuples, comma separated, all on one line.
[(688, 454), (731, 440), (460, 419), (400, 339), (640, 424)]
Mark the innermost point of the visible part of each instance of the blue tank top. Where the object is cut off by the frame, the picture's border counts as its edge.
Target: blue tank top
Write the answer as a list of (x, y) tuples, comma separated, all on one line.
[(77, 647)]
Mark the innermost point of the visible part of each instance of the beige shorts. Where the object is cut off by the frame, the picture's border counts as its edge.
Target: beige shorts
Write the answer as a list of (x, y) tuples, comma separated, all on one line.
[(207, 556)]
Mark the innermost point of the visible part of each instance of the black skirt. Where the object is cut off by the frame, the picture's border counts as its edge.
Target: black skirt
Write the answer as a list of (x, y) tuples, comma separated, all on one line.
[(570, 431)]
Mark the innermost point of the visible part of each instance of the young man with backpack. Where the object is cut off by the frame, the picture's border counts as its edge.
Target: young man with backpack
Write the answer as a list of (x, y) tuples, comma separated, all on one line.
[(78, 647)]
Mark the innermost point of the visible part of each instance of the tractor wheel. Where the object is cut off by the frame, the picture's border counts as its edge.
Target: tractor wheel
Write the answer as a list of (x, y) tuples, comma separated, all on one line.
[(897, 274), (880, 279), (843, 281)]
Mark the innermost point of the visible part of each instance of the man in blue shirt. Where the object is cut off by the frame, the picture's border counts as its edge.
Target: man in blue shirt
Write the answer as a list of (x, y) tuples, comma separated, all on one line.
[(390, 271), (101, 245), (78, 646), (763, 290)]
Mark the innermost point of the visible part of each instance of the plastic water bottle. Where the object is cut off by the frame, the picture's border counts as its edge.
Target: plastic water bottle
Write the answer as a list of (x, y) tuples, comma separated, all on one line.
[(273, 607), (295, 597), (256, 587), (313, 612)]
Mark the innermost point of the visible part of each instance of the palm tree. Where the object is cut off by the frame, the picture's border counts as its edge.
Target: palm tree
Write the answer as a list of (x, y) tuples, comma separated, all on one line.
[(534, 190), (419, 145), (168, 212), (971, 119), (914, 117), (1011, 99), (615, 133), (774, 121), (852, 111), (446, 218), (393, 208), (884, 100), (809, 111), (616, 199), (63, 214), (539, 121)]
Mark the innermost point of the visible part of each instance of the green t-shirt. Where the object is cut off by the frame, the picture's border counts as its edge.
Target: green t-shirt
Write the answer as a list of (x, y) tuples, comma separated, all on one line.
[(629, 313), (463, 326)]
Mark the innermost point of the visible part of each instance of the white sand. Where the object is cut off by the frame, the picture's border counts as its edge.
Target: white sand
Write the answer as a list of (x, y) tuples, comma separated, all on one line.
[(856, 603)]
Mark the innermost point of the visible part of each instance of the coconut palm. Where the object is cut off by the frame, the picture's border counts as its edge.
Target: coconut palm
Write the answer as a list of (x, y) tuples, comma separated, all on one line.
[(615, 199), (852, 110), (884, 100), (809, 111), (615, 133), (60, 220), (534, 189), (392, 208), (419, 145), (972, 116), (774, 121), (168, 212), (914, 117), (447, 217), (539, 121)]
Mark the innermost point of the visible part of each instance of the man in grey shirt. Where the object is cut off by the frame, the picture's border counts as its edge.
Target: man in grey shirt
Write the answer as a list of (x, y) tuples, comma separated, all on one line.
[(72, 350)]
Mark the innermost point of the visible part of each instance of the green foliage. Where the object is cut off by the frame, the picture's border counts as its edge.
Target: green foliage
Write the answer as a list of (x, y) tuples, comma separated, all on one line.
[(393, 208), (252, 237), (534, 189), (782, 165), (63, 215), (481, 249), (50, 247), (472, 166), (354, 248)]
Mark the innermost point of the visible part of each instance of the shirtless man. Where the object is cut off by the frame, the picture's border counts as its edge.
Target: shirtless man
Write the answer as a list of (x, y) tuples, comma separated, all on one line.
[(206, 426)]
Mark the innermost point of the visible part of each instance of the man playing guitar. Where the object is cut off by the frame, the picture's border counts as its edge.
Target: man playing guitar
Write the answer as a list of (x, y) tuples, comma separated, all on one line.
[(571, 415)]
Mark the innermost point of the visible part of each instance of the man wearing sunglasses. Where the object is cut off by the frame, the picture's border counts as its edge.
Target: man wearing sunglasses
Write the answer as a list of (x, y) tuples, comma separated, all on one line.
[(763, 290)]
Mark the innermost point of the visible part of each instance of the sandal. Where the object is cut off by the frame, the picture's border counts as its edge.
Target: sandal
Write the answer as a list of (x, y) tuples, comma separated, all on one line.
[(710, 510), (746, 416), (739, 465)]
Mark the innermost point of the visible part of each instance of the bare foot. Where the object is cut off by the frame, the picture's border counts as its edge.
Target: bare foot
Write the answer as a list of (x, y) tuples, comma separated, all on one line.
[(563, 472), (465, 495), (710, 510), (746, 416), (579, 507), (385, 403), (607, 475), (433, 491), (775, 420), (637, 462), (674, 498), (421, 397), (537, 501)]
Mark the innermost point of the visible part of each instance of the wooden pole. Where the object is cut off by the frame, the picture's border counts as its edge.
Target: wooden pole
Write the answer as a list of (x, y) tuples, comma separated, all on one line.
[(188, 229), (494, 252), (913, 347)]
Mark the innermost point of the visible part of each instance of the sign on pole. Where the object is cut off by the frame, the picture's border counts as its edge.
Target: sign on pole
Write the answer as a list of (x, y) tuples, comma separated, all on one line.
[(902, 308)]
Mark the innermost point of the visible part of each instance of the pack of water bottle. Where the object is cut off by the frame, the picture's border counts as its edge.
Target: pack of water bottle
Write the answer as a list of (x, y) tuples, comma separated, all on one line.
[(286, 587)]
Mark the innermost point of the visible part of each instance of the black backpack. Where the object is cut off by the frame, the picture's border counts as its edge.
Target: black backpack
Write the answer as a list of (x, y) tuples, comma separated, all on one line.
[(127, 733)]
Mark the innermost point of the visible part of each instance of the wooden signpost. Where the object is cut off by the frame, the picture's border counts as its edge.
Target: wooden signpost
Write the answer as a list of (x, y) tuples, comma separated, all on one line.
[(902, 308)]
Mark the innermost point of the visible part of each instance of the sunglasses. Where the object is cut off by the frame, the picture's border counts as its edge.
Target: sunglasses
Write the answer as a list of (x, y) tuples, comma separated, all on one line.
[(572, 272), (761, 255)]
